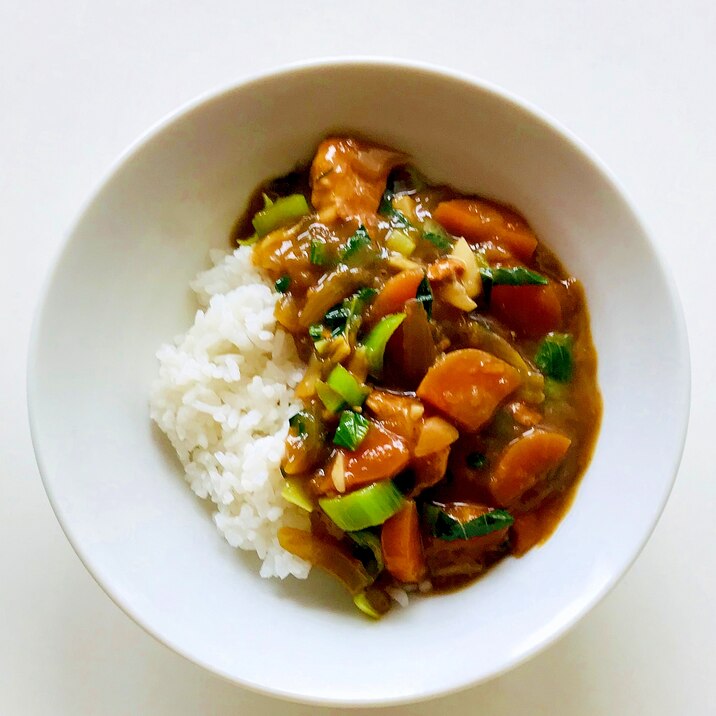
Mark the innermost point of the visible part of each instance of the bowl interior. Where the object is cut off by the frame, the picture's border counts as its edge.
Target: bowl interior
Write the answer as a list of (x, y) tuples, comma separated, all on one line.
[(120, 289)]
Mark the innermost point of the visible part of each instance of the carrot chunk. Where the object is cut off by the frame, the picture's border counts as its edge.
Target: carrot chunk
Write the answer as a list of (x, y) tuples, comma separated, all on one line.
[(395, 293), (467, 385), (526, 461), (402, 546), (531, 311), (479, 221)]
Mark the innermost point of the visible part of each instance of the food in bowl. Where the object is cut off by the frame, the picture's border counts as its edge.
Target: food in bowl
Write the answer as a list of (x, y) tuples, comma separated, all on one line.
[(388, 380)]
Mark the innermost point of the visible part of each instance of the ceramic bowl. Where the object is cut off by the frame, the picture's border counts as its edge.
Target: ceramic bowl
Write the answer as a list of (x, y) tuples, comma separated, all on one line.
[(120, 288)]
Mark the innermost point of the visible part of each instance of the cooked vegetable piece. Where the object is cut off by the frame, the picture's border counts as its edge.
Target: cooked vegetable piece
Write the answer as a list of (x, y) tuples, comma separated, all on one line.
[(377, 340), (351, 176), (304, 443), (402, 546), (373, 602), (282, 284), (283, 211), (478, 220), (436, 435), (524, 462), (398, 413), (345, 384), (381, 454), (399, 241), (329, 397), (367, 507), (554, 356), (467, 385), (396, 292), (295, 492), (418, 351), (471, 276), (424, 295), (513, 276), (370, 544), (331, 289), (358, 249), (449, 524), (429, 470), (351, 431), (522, 414), (531, 311), (436, 235), (325, 555), (387, 209), (319, 253)]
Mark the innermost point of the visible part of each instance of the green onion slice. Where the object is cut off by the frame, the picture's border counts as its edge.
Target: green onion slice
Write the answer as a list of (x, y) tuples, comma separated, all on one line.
[(446, 527), (282, 284), (279, 213), (378, 339), (369, 542), (294, 492), (367, 507), (351, 431), (347, 386), (332, 400)]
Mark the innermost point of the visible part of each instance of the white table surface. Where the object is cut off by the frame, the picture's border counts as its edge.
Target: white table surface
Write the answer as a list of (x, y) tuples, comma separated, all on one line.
[(79, 80)]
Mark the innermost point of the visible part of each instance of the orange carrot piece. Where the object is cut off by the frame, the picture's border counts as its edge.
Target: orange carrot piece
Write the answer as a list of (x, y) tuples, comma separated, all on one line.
[(467, 385), (395, 293), (402, 546), (531, 311), (524, 462), (478, 220), (381, 455)]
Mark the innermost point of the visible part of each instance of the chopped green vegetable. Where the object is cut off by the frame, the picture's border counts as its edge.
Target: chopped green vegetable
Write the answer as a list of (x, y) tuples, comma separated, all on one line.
[(282, 284), (294, 492), (248, 242), (347, 386), (476, 460), (369, 542), (554, 390), (323, 346), (514, 276), (398, 240), (315, 330), (343, 316), (397, 218), (351, 431), (332, 400), (445, 527), (367, 507), (336, 317), (425, 296), (366, 293), (299, 421), (554, 357), (358, 248), (283, 211), (319, 253), (436, 235), (377, 340), (363, 603)]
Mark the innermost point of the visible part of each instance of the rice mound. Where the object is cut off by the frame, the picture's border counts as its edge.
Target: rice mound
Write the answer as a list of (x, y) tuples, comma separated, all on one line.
[(223, 397)]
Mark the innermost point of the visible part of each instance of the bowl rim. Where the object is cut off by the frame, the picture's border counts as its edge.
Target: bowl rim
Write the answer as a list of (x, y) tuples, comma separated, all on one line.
[(216, 94)]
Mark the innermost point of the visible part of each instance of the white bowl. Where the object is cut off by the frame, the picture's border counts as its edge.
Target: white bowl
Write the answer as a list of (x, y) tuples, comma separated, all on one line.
[(120, 288)]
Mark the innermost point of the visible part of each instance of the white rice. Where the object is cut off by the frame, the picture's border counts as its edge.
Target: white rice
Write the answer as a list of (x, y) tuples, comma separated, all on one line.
[(224, 394)]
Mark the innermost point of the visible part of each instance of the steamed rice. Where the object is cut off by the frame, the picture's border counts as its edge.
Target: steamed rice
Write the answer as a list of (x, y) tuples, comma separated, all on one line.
[(223, 397)]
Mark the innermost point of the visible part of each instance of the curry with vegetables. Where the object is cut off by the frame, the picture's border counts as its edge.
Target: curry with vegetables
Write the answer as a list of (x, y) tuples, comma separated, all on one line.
[(450, 401)]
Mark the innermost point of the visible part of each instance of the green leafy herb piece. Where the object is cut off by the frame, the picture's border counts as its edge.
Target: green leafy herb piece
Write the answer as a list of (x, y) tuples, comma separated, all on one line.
[(283, 211), (352, 429), (283, 284), (397, 218), (554, 357), (366, 293), (436, 235), (315, 330), (476, 460), (358, 248), (425, 296), (299, 422), (514, 276), (445, 527), (319, 253)]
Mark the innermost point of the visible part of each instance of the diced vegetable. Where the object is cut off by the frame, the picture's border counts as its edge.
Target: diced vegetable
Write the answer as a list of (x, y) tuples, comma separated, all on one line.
[(282, 284), (316, 332), (319, 253), (554, 357), (304, 443), (513, 276), (250, 241), (329, 397), (358, 249), (554, 390), (378, 338), (386, 208), (436, 435), (478, 220), (283, 211), (399, 241), (294, 492), (369, 542), (455, 294), (448, 527), (436, 235), (524, 462), (467, 385), (351, 431), (367, 507), (364, 604), (424, 294), (476, 460), (402, 546), (327, 556), (381, 455), (470, 277), (344, 383), (531, 311), (397, 290), (373, 602)]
